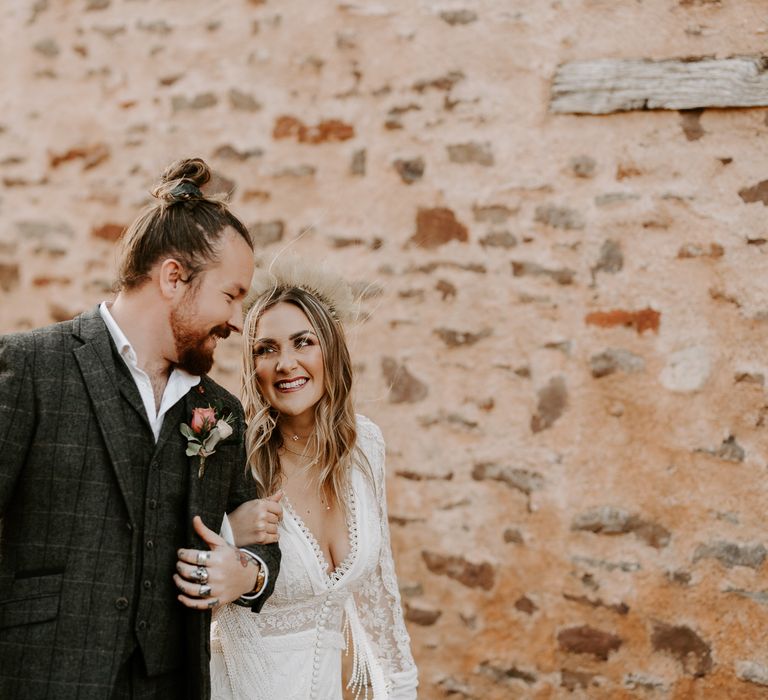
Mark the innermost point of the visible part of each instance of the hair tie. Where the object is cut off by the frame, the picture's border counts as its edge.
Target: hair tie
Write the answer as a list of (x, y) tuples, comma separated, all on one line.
[(185, 190)]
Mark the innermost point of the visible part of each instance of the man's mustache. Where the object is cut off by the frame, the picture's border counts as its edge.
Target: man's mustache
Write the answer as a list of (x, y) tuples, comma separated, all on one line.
[(222, 332)]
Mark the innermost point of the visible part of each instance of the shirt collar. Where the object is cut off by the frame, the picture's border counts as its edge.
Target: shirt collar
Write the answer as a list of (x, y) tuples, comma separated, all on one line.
[(128, 354)]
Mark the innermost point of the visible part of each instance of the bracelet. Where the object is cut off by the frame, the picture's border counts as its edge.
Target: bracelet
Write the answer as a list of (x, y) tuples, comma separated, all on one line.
[(260, 577)]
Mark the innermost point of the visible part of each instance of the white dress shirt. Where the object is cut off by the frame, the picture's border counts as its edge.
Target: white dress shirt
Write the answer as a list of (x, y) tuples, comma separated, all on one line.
[(179, 383)]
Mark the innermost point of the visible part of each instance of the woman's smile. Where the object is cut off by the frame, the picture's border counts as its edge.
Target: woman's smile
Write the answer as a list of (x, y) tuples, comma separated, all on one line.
[(287, 386)]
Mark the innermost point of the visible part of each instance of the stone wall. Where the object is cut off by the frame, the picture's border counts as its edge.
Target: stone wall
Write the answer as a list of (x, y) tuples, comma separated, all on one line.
[(567, 316)]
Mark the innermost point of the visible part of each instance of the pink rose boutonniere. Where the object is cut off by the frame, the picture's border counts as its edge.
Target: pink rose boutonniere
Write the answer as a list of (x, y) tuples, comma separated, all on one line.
[(205, 431)]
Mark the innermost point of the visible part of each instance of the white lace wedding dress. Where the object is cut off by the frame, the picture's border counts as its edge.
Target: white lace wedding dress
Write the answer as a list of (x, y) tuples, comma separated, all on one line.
[(292, 649)]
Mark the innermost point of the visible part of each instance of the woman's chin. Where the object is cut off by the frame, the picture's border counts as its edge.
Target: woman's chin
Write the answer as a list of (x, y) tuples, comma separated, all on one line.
[(291, 410)]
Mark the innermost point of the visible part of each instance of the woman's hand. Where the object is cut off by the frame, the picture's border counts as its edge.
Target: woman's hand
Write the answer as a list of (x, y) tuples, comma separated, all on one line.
[(255, 522)]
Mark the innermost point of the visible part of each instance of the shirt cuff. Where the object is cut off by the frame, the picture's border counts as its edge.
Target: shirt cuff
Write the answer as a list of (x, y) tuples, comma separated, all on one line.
[(249, 598)]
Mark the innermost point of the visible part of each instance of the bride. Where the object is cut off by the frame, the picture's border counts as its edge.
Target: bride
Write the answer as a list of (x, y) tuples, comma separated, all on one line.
[(320, 475)]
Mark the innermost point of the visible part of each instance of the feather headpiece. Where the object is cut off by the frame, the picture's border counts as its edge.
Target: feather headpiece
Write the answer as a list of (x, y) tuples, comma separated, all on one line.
[(290, 271)]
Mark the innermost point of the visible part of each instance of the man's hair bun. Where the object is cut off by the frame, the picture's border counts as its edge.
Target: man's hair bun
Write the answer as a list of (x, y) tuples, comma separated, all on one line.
[(182, 181)]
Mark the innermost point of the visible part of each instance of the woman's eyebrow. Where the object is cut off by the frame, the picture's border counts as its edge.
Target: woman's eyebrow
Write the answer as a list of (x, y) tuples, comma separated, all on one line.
[(300, 334)]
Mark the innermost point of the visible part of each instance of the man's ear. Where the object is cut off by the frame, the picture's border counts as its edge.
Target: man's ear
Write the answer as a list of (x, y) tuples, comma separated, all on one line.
[(171, 278)]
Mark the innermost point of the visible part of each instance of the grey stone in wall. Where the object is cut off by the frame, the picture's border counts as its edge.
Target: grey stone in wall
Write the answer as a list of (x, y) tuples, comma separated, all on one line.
[(731, 554)]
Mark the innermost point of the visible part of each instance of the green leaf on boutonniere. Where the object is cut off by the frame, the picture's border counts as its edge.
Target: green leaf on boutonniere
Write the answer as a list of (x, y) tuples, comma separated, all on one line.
[(205, 431)]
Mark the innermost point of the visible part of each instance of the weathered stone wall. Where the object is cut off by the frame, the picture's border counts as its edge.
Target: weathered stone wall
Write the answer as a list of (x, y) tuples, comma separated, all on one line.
[(566, 345)]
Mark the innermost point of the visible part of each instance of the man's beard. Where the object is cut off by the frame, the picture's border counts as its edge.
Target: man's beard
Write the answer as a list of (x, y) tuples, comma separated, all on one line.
[(193, 355)]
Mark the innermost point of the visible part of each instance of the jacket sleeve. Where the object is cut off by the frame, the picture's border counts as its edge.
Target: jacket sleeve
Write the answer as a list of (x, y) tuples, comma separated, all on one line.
[(382, 642), (242, 489), (17, 415)]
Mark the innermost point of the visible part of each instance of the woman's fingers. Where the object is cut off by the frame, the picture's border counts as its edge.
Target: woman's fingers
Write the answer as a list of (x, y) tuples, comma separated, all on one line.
[(265, 536)]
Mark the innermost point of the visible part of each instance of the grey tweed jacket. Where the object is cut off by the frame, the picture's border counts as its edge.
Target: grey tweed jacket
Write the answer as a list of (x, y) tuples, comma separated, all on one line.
[(74, 545)]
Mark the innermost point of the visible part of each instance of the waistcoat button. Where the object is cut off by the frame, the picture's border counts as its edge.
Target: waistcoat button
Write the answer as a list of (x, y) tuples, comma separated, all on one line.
[(121, 603), (150, 544)]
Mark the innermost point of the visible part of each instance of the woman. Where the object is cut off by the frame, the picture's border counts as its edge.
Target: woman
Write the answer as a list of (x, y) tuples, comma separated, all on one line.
[(320, 475)]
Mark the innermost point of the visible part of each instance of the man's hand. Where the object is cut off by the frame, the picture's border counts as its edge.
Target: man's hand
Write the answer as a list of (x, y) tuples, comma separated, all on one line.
[(207, 578), (256, 521)]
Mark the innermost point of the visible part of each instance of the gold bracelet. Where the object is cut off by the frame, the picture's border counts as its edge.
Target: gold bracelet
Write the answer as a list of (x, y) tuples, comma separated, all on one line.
[(260, 577), (259, 582)]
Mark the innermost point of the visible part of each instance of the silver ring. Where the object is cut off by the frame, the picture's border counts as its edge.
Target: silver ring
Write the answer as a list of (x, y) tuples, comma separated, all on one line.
[(203, 558), (205, 591), (201, 574)]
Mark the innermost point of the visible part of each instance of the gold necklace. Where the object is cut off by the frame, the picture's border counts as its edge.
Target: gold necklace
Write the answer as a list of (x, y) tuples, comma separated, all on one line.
[(326, 503), (295, 436), (293, 452)]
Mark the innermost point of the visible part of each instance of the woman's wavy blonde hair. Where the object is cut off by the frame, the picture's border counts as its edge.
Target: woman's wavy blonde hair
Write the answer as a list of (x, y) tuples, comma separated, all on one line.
[(334, 441)]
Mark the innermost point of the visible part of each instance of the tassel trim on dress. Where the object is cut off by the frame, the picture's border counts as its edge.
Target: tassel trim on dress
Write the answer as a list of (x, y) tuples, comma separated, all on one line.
[(366, 672)]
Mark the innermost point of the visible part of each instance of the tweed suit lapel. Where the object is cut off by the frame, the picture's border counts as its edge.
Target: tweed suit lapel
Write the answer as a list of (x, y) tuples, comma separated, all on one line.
[(209, 490), (127, 387), (195, 398), (174, 417), (97, 365)]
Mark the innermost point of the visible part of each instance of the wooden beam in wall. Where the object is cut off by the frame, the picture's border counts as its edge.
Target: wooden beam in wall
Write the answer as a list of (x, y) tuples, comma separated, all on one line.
[(617, 85)]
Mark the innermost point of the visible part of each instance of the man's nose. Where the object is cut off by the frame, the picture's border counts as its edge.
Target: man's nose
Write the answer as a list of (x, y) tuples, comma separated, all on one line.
[(235, 321)]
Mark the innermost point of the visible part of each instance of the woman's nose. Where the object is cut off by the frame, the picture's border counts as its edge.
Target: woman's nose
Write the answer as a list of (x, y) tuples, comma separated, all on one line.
[(286, 361)]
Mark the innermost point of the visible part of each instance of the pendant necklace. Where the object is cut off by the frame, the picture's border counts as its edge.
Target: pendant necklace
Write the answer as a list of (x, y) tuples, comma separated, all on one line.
[(306, 466)]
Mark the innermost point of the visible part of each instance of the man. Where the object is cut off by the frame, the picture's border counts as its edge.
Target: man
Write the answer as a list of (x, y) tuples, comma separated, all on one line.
[(110, 561)]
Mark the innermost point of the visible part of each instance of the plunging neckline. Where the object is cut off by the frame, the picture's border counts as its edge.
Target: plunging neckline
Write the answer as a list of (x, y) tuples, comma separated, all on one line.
[(332, 577)]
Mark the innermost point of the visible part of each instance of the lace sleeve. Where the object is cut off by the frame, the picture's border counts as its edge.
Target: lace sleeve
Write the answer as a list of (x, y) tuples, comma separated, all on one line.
[(377, 601)]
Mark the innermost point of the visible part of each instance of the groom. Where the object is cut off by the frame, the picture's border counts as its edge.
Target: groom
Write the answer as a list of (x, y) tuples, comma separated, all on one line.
[(107, 574)]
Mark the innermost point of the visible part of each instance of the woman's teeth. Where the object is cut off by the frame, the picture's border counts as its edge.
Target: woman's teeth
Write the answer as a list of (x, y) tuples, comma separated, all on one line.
[(295, 384)]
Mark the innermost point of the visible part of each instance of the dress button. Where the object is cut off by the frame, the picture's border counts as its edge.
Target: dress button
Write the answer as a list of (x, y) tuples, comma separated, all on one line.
[(150, 544), (121, 603), (147, 584)]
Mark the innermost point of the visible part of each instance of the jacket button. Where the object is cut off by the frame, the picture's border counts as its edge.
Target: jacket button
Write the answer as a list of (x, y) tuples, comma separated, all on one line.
[(129, 526), (143, 624), (152, 504), (121, 603), (147, 584), (150, 544)]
